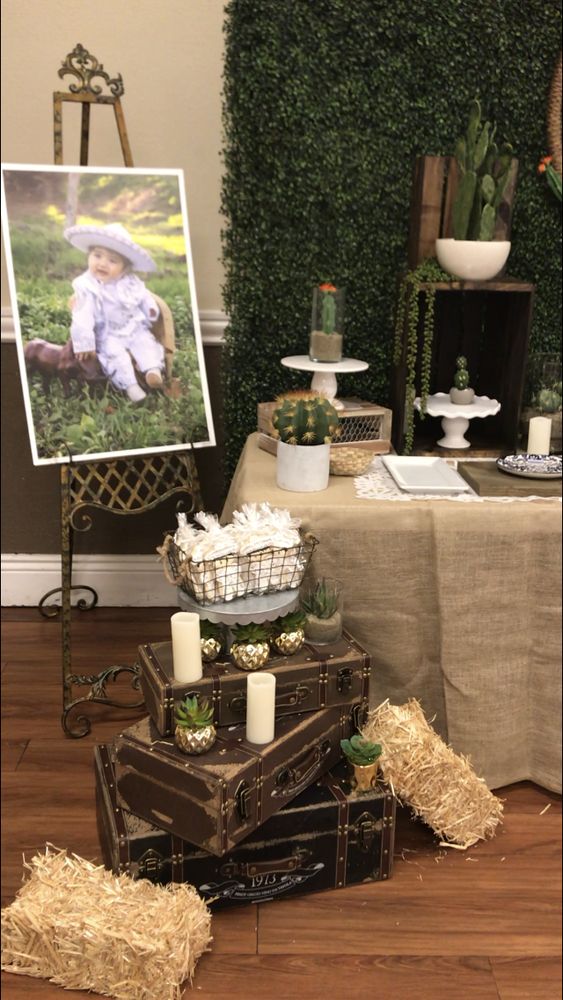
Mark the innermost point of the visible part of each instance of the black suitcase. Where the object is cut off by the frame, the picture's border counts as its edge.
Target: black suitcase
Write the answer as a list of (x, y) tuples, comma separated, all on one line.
[(326, 838)]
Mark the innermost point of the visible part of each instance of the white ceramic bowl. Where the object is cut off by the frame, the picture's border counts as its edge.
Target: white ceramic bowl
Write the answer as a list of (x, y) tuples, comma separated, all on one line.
[(472, 260)]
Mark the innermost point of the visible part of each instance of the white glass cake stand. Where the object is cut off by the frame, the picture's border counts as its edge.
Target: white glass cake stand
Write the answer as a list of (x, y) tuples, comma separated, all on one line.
[(455, 418), (325, 372)]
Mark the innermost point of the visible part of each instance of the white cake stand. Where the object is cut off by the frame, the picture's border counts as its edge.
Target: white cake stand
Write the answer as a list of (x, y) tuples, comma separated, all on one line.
[(325, 372), (455, 418)]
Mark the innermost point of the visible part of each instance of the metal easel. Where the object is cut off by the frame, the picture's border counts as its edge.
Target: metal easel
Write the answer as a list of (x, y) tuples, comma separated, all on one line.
[(124, 486)]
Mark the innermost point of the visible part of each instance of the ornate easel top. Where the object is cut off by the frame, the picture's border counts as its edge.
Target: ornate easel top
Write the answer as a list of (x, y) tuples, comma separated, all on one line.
[(85, 67)]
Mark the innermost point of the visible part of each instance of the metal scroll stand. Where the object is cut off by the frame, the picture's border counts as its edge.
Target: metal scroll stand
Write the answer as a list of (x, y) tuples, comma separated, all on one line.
[(124, 486)]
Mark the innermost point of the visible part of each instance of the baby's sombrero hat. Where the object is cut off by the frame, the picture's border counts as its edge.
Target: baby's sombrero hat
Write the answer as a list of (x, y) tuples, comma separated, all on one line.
[(113, 237)]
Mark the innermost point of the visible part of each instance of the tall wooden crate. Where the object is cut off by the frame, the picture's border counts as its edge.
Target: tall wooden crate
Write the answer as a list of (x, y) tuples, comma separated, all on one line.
[(487, 321)]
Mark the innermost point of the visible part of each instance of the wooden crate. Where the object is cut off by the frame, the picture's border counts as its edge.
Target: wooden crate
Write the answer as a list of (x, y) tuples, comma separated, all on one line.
[(434, 186), (487, 321), (360, 422)]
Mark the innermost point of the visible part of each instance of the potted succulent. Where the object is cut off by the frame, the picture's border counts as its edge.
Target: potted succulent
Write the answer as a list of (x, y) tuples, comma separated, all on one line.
[(473, 254), (460, 393), (288, 633), (195, 732), (250, 648), (304, 423), (364, 758), (211, 640), (327, 323), (322, 605)]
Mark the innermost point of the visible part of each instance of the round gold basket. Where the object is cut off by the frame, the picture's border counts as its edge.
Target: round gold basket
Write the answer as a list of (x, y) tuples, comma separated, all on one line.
[(349, 461)]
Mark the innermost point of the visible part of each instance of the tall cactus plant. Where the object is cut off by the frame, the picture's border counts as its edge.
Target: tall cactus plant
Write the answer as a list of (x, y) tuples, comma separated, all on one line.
[(305, 418), (484, 169)]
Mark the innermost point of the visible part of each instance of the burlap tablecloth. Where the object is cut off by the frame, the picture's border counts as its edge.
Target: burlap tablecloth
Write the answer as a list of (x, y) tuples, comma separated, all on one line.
[(458, 604)]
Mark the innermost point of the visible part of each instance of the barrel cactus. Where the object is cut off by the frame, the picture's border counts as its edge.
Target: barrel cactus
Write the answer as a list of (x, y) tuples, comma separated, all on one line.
[(484, 169), (305, 418)]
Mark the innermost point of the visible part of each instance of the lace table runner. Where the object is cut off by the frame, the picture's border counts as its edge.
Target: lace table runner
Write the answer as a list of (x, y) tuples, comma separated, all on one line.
[(378, 484)]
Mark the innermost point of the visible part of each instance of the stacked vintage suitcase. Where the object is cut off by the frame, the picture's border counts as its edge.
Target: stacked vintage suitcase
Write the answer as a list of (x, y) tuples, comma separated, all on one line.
[(246, 823)]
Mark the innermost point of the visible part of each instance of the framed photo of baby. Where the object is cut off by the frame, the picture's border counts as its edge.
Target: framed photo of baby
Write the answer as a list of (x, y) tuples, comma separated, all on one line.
[(105, 311)]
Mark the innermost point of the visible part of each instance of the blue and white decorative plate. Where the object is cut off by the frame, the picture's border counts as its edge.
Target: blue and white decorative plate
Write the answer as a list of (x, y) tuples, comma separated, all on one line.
[(531, 466)]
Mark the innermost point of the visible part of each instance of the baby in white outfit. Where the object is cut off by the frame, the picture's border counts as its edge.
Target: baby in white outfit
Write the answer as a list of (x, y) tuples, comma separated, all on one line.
[(112, 310)]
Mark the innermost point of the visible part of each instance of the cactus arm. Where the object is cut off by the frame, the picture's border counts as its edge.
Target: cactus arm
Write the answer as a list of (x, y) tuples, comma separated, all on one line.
[(482, 146), (488, 219), (328, 313), (461, 212), (488, 189), (472, 129), (461, 154)]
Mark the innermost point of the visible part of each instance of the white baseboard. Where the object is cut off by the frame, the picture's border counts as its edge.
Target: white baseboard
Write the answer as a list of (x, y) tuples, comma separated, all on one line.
[(120, 581)]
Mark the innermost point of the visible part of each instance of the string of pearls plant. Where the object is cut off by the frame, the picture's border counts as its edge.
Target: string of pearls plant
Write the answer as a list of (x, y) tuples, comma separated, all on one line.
[(420, 280)]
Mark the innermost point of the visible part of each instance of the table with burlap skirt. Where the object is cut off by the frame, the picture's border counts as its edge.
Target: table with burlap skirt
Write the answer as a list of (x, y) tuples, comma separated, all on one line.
[(459, 605)]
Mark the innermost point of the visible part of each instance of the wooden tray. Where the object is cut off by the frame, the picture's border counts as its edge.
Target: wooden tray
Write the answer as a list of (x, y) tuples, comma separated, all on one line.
[(488, 481)]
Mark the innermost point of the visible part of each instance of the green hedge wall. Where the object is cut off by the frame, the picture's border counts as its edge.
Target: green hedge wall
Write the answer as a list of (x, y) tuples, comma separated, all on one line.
[(326, 104)]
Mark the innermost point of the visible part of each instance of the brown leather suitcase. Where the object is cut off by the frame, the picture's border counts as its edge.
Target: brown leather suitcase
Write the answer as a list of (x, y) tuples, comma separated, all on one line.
[(218, 798), (313, 678), (326, 838)]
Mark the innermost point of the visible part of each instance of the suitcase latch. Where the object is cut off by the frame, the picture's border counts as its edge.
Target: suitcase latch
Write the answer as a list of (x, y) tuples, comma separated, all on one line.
[(150, 864), (242, 800), (344, 680), (365, 829)]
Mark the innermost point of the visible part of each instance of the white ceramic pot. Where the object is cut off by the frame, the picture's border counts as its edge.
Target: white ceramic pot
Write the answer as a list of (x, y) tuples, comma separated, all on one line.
[(472, 260), (303, 468)]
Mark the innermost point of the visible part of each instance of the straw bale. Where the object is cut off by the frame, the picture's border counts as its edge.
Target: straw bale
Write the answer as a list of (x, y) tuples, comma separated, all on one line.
[(81, 927), (439, 785)]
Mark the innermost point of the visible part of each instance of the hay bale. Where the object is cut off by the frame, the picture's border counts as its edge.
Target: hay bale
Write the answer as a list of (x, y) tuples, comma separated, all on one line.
[(439, 785), (83, 928)]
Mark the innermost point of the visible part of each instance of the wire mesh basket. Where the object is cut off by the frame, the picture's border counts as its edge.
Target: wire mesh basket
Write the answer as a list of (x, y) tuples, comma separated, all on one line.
[(225, 579)]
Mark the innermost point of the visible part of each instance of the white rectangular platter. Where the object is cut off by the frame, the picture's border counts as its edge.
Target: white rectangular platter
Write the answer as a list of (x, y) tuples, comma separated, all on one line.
[(424, 475)]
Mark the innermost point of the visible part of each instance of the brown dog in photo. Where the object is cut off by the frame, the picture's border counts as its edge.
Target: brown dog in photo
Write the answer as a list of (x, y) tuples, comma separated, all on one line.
[(51, 360)]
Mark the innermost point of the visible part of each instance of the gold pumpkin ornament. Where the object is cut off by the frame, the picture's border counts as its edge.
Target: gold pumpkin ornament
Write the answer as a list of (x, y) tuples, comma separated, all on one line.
[(195, 740)]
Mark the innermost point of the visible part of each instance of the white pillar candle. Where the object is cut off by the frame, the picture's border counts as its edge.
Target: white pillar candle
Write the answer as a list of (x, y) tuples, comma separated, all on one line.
[(186, 647), (539, 436), (260, 708)]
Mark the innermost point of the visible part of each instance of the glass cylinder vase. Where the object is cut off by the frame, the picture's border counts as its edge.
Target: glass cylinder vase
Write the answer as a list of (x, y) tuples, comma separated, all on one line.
[(327, 323), (322, 603)]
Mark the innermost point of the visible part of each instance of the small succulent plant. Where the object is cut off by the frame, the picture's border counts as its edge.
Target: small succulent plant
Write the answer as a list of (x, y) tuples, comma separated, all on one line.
[(322, 602), (192, 713), (290, 622), (210, 630), (360, 751), (251, 633), (484, 169), (305, 418), (461, 377)]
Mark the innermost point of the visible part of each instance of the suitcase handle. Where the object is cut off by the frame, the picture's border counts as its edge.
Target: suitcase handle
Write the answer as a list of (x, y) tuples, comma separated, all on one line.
[(249, 868), (301, 771), (300, 693)]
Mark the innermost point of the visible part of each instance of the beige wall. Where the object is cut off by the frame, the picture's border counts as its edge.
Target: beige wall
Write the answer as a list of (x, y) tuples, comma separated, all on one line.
[(169, 54)]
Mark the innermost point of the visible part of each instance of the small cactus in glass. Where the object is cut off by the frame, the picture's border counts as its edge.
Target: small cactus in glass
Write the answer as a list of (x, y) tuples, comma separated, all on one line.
[(305, 418), (484, 169), (327, 323), (321, 603)]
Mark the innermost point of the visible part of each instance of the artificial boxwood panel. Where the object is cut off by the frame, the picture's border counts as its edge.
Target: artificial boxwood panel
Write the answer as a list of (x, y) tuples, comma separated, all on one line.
[(326, 105)]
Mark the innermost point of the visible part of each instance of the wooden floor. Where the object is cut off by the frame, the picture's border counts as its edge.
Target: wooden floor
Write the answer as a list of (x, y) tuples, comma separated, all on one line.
[(449, 925)]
